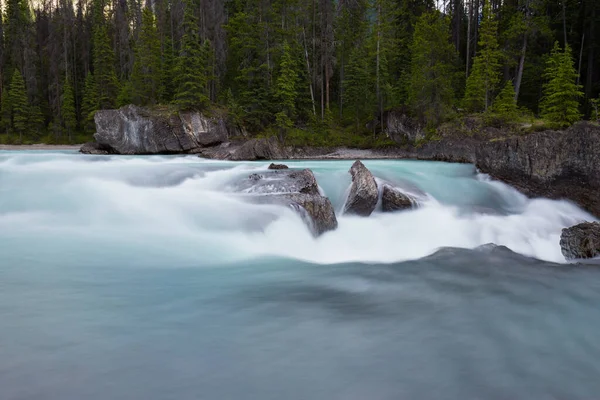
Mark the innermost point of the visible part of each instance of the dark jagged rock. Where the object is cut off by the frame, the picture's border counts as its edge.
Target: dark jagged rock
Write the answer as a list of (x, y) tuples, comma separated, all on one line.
[(297, 189), (137, 130), (581, 241), (259, 149), (95, 148), (363, 192), (318, 208), (555, 164), (278, 166), (394, 200)]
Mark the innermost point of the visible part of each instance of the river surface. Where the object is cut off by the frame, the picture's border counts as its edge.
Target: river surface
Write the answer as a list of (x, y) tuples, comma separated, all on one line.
[(148, 278)]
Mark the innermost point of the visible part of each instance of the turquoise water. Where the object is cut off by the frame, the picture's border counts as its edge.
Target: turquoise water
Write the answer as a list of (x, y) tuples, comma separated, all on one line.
[(148, 278)]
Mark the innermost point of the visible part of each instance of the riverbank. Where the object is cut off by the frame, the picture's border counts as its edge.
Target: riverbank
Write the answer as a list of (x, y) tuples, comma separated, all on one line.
[(39, 146)]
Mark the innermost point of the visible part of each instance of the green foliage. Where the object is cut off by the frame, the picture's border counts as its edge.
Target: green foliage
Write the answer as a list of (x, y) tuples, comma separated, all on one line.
[(505, 104), (126, 95), (107, 84), (190, 72), (5, 112), (358, 93), (433, 69), (146, 84), (485, 76), (89, 104), (595, 103), (286, 90), (19, 105), (560, 103), (67, 110)]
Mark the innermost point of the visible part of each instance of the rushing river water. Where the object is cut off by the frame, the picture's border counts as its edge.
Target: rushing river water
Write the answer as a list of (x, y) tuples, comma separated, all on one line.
[(148, 278)]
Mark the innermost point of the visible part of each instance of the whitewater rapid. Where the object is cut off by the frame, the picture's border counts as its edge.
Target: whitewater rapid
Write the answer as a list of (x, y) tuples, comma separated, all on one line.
[(182, 211)]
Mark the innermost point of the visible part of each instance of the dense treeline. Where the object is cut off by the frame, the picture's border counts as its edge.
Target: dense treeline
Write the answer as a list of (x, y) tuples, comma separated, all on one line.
[(278, 64)]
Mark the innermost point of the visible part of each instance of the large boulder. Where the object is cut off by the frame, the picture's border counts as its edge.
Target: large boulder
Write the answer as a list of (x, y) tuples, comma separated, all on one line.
[(394, 200), (363, 192), (259, 149), (294, 188), (137, 130), (581, 241)]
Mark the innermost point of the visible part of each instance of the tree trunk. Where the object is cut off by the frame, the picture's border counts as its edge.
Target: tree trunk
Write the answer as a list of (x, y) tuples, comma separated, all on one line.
[(519, 77), (470, 17)]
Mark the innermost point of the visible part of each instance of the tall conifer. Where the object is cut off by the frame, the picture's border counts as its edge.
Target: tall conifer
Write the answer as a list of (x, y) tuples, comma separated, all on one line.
[(485, 76)]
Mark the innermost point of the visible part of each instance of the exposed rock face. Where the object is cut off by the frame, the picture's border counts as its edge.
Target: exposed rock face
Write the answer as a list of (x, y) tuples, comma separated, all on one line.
[(581, 241), (95, 148), (555, 164), (363, 192), (259, 149), (137, 130), (278, 166), (297, 189), (402, 129), (394, 200)]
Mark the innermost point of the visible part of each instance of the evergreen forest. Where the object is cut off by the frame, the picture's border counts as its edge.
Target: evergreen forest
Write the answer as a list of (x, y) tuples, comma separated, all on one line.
[(296, 68)]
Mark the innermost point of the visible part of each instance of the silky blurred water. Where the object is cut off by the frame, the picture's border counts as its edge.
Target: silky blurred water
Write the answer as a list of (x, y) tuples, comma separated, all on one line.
[(149, 278)]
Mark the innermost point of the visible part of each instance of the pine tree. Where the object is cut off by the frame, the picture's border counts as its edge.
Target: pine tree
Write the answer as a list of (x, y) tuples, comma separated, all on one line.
[(19, 106), (190, 73), (5, 112), (286, 90), (167, 78), (107, 84), (505, 104), (433, 68), (146, 88), (560, 103), (126, 95), (357, 91), (89, 104), (485, 76), (35, 119), (67, 109)]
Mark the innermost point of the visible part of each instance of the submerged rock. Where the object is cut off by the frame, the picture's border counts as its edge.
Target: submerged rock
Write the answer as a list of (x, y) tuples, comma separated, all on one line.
[(137, 130), (278, 166), (296, 189), (394, 200), (95, 148), (363, 192), (581, 241)]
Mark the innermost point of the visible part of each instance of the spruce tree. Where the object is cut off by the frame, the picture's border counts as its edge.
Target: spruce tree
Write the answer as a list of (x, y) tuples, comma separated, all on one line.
[(485, 75), (107, 84), (433, 68), (286, 90), (19, 105), (357, 91), (89, 104), (190, 73), (560, 103), (505, 104), (67, 109), (5, 112), (146, 76), (167, 78)]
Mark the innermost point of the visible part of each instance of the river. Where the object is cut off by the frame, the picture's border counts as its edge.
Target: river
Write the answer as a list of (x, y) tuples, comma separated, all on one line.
[(149, 278)]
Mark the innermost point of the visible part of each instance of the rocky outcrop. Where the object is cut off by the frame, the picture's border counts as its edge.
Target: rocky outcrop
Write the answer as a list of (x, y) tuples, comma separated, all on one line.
[(581, 241), (363, 192), (259, 149), (138, 130), (403, 129), (293, 188), (95, 148), (394, 200), (278, 166), (554, 164)]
